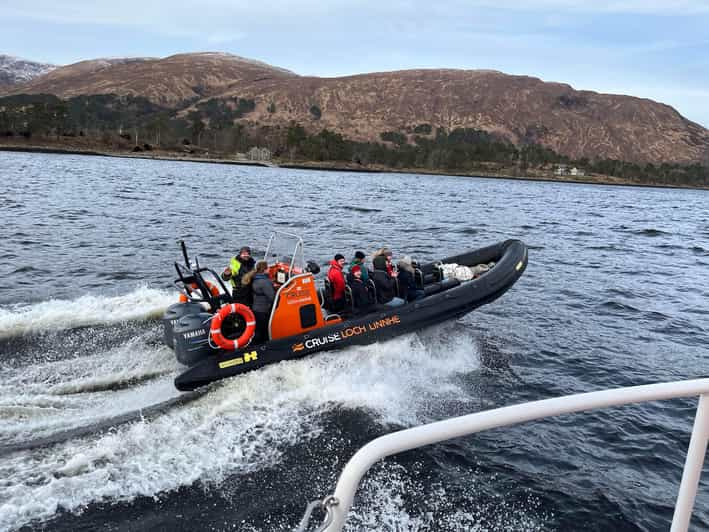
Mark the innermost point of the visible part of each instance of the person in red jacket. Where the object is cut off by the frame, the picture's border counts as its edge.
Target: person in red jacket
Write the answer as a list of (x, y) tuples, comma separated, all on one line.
[(337, 282)]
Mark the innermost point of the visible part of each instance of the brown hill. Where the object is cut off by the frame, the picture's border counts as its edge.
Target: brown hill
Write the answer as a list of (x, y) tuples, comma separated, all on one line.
[(167, 81), (523, 109), (574, 123)]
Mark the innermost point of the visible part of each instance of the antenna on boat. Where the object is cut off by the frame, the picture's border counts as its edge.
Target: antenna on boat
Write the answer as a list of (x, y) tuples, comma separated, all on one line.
[(184, 253)]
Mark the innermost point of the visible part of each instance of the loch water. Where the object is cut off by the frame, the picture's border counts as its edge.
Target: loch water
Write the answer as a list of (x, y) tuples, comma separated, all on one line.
[(615, 294)]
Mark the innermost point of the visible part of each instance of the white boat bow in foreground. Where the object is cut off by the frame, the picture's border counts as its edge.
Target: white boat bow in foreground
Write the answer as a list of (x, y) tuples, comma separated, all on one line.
[(337, 506)]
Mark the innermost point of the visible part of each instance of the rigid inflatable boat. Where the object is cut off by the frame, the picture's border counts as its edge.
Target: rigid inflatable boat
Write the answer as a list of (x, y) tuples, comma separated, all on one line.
[(300, 323)]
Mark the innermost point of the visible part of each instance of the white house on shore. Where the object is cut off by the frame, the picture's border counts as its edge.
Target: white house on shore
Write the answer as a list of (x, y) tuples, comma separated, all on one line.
[(259, 154), (255, 154), (563, 169)]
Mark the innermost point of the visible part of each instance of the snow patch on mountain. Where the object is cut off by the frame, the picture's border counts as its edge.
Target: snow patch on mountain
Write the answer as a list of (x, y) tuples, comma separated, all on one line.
[(14, 70), (238, 58)]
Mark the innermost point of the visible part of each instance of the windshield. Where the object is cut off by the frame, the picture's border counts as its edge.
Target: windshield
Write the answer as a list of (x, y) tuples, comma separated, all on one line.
[(286, 248)]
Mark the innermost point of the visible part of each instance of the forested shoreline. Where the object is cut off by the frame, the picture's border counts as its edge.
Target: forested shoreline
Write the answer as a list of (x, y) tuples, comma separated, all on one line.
[(220, 128)]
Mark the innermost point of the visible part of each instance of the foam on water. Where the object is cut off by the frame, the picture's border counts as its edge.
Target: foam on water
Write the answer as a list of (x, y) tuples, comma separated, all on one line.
[(243, 425), (142, 303), (42, 398), (382, 507)]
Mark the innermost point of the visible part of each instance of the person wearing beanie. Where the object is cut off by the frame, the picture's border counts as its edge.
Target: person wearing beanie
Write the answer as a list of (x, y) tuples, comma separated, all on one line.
[(379, 262), (385, 283), (238, 267), (361, 299), (358, 260), (385, 252), (337, 282)]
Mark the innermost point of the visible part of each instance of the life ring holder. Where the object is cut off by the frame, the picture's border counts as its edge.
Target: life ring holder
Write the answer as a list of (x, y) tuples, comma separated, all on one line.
[(215, 330)]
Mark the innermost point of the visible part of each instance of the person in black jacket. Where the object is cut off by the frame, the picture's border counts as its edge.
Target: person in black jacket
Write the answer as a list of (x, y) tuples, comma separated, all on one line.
[(385, 283), (407, 281), (361, 298), (264, 294)]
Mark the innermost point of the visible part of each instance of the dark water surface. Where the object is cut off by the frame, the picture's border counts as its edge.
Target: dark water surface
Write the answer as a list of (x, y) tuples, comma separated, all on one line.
[(616, 294)]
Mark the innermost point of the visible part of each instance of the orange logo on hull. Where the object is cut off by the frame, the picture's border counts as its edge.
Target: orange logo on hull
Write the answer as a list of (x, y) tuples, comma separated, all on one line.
[(346, 333)]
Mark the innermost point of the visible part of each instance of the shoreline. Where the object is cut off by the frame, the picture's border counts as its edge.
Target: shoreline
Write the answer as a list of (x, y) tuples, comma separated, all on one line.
[(605, 180), (159, 156), (335, 166)]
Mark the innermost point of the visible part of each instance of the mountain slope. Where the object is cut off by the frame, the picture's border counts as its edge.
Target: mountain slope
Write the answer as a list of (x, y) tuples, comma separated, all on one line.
[(167, 81), (520, 108), (523, 109), (14, 70)]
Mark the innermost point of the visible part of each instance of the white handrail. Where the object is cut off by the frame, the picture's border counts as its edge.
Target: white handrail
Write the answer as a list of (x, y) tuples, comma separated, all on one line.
[(456, 427)]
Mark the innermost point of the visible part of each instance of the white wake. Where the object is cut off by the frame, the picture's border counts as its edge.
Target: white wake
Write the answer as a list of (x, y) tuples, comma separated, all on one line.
[(241, 426), (140, 304)]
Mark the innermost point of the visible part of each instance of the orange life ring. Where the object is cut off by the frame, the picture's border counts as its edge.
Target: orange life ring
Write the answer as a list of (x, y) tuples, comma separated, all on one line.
[(212, 289), (215, 331)]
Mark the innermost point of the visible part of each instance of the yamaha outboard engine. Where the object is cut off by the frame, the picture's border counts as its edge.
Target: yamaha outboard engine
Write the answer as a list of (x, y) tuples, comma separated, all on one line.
[(174, 313), (187, 324), (191, 334)]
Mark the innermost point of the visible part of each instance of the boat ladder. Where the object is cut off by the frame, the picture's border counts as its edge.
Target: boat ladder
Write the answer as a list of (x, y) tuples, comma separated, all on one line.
[(337, 505)]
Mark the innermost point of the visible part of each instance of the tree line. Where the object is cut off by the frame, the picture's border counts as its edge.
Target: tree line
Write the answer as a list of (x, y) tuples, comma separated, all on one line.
[(111, 119), (214, 125), (469, 150)]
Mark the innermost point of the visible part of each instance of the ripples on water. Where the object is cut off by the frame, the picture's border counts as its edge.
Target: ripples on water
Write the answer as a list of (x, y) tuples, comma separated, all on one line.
[(615, 295)]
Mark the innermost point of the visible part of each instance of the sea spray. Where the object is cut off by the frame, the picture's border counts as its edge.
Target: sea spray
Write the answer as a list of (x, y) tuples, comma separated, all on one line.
[(244, 424), (44, 397), (140, 304)]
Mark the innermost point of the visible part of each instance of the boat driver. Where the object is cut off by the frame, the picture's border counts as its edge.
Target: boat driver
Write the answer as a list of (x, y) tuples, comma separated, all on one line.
[(238, 266)]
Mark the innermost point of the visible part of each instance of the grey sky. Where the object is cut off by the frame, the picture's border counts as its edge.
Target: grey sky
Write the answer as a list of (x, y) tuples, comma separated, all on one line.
[(651, 49)]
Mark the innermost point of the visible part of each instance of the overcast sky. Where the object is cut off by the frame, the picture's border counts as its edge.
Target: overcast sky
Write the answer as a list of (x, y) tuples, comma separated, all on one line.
[(652, 49)]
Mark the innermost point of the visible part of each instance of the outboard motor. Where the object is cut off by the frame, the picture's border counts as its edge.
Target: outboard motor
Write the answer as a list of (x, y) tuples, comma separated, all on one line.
[(174, 313), (191, 334)]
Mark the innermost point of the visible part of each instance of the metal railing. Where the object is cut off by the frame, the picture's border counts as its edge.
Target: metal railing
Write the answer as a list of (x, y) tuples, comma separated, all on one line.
[(338, 505), (299, 246)]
